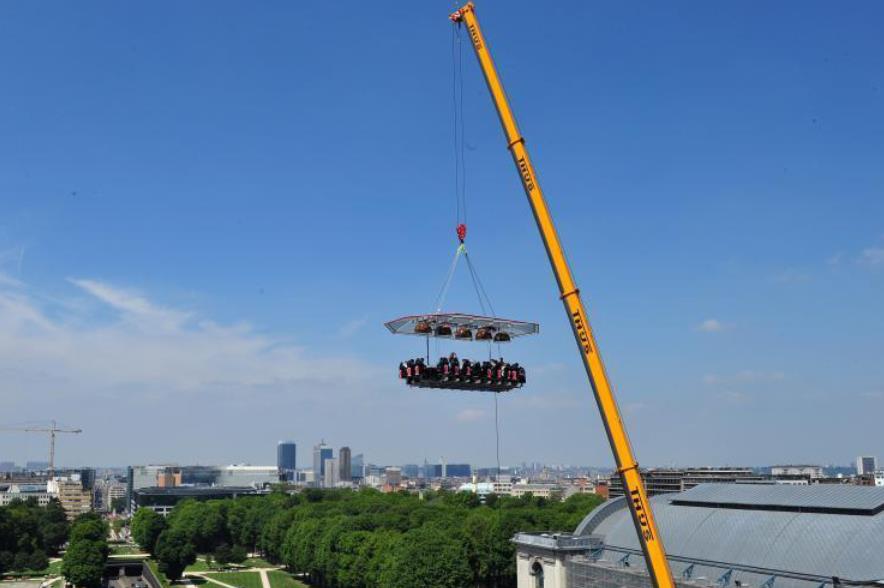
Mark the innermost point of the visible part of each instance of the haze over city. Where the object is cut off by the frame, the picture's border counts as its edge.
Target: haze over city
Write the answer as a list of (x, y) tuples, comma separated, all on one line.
[(205, 220)]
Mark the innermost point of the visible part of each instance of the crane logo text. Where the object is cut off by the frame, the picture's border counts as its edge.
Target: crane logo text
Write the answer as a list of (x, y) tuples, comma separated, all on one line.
[(580, 328), (526, 174), (642, 515), (477, 41)]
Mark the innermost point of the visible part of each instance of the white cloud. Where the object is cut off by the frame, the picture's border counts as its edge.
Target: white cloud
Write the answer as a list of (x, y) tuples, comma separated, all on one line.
[(735, 397), (744, 376), (14, 256), (133, 305), (835, 259), (352, 327), (159, 351), (710, 326), (470, 415), (634, 407), (872, 256)]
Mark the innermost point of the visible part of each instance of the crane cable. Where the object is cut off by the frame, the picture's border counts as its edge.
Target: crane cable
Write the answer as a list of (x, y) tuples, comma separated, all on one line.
[(460, 194), (460, 173)]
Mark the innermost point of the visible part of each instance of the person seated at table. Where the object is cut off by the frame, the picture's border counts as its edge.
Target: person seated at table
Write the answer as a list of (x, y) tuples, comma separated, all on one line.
[(443, 368), (466, 371)]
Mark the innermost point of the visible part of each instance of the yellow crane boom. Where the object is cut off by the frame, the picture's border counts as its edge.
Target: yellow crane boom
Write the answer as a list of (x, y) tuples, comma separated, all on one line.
[(627, 467)]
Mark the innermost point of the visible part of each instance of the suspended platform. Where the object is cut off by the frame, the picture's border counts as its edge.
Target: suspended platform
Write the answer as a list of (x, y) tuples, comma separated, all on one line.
[(475, 386), (452, 372), (462, 327)]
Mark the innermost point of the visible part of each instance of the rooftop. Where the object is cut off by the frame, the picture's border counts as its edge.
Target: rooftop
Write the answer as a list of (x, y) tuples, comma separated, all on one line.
[(800, 534)]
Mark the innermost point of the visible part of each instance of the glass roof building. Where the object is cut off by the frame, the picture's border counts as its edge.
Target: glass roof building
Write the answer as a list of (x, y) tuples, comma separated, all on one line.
[(722, 535)]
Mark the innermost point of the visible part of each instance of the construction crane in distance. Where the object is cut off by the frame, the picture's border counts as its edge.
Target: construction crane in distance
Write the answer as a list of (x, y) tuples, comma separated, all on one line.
[(627, 466), (52, 430)]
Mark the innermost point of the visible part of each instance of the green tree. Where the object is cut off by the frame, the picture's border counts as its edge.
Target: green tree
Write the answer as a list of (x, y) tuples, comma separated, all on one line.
[(83, 563), (7, 558), (353, 559), (37, 561), (174, 552), (55, 527), (222, 554), (427, 557), (21, 561), (146, 528), (238, 554), (89, 526)]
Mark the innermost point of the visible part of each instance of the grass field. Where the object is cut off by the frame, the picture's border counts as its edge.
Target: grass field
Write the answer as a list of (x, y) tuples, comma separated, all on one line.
[(54, 569), (257, 562), (239, 579), (199, 566), (280, 579), (124, 549)]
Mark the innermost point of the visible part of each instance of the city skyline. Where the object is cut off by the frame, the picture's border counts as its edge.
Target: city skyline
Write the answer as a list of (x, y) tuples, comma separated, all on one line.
[(209, 232)]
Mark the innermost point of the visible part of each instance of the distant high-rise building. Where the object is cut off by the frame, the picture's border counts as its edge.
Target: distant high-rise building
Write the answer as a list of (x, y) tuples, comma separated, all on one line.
[(393, 476), (331, 476), (286, 458), (410, 470), (321, 453), (866, 464), (457, 470), (346, 472), (357, 467), (448, 470)]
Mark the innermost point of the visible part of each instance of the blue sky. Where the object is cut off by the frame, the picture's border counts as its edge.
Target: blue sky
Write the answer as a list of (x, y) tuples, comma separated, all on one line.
[(207, 211)]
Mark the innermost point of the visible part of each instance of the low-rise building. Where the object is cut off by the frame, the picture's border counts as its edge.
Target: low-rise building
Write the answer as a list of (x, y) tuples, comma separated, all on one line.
[(720, 535), (75, 497), (670, 480), (163, 500), (811, 472), (11, 492), (551, 491), (173, 476)]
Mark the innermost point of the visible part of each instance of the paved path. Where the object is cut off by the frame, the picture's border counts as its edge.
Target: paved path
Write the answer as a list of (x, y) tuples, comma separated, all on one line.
[(212, 580), (265, 581)]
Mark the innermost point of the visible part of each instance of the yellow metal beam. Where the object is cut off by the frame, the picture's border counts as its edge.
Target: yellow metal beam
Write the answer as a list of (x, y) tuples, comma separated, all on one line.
[(637, 499)]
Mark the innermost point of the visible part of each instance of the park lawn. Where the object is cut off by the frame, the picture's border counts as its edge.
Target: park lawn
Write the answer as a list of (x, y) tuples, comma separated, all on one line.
[(124, 549), (199, 565), (280, 579), (239, 579), (53, 569), (258, 562)]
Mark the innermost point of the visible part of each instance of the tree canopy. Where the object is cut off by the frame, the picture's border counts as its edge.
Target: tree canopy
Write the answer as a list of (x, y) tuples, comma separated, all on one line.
[(29, 533), (146, 528), (366, 539), (86, 555)]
